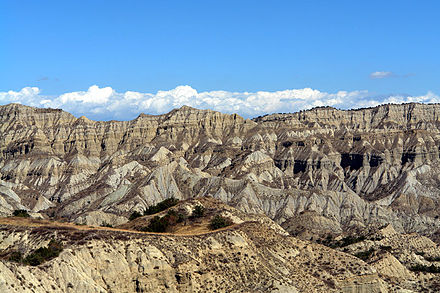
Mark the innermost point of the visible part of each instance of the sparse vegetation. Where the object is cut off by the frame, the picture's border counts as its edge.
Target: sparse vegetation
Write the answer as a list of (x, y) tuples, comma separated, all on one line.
[(218, 222), (365, 255), (423, 268), (181, 217), (198, 212), (105, 224), (134, 215), (427, 257), (43, 254), (16, 256), (432, 258), (161, 206), (157, 224), (21, 213), (348, 240), (39, 255), (163, 224)]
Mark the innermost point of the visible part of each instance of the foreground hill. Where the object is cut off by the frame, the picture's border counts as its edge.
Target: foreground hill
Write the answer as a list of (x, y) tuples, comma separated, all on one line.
[(252, 254), (246, 257)]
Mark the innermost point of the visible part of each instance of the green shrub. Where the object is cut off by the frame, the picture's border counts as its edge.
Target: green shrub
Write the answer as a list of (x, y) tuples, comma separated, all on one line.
[(181, 217), (105, 224), (163, 205), (16, 256), (163, 224), (43, 254), (157, 224), (172, 217), (134, 215), (21, 213), (198, 212), (350, 240), (218, 222)]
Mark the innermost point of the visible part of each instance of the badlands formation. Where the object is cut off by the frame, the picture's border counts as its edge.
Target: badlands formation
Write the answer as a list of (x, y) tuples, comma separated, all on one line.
[(322, 200)]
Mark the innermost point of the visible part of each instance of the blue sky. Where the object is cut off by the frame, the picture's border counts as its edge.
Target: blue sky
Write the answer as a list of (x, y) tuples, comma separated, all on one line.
[(64, 47)]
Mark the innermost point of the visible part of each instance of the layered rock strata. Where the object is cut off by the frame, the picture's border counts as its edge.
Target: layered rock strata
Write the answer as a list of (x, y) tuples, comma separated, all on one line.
[(336, 168)]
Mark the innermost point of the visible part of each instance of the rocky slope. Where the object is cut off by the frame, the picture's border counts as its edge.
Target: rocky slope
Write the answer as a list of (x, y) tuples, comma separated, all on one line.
[(248, 257), (324, 175), (341, 168), (254, 254)]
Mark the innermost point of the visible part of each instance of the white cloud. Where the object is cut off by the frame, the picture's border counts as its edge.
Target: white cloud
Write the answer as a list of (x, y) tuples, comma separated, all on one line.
[(26, 96), (94, 95), (381, 74), (105, 103), (430, 97)]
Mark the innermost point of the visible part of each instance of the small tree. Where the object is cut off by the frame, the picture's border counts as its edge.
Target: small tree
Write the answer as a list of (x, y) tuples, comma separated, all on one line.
[(161, 206), (181, 217), (43, 254), (134, 215), (21, 213), (198, 212), (157, 224), (219, 222), (16, 256)]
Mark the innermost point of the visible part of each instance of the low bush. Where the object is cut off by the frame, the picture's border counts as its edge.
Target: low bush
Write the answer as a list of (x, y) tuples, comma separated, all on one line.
[(163, 224), (181, 217), (43, 254), (21, 213), (163, 205), (39, 255), (134, 215), (198, 212), (157, 224), (348, 240), (16, 256), (218, 222)]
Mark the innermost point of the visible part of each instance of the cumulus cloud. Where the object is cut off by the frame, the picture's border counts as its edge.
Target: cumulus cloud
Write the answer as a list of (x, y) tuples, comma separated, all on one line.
[(105, 103), (381, 74), (27, 96)]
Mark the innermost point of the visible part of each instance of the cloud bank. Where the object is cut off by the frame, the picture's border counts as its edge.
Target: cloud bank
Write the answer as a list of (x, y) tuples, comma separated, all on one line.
[(106, 104)]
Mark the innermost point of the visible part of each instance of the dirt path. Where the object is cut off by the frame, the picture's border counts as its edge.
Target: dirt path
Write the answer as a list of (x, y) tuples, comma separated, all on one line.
[(29, 222)]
